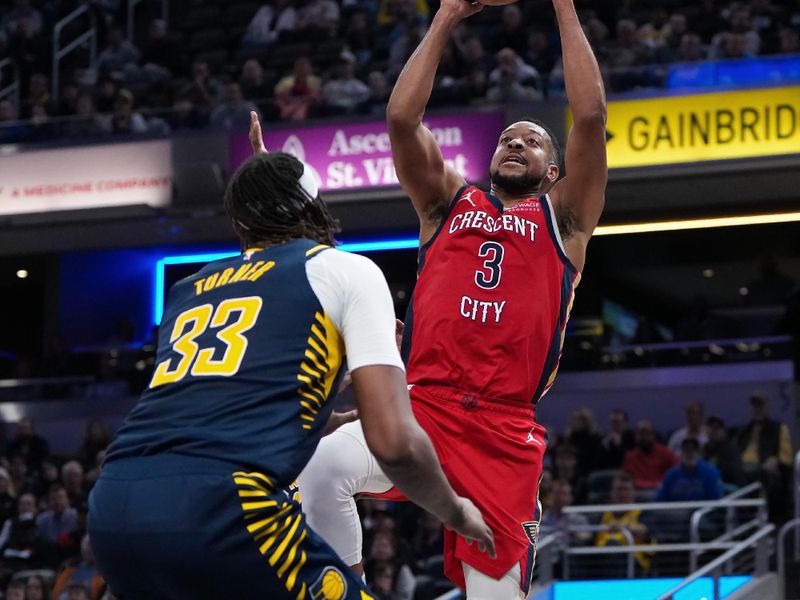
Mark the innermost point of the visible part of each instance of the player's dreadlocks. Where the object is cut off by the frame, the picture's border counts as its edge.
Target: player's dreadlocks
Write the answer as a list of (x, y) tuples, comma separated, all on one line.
[(267, 205)]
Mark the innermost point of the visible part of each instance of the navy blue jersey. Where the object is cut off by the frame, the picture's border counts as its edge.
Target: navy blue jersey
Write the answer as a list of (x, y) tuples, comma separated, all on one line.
[(247, 361)]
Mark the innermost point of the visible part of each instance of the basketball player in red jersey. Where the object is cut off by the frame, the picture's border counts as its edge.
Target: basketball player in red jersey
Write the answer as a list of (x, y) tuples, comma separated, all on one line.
[(483, 337)]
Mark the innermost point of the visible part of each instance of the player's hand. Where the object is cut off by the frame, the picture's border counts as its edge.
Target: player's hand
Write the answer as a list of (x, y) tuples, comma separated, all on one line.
[(399, 326), (337, 419), (468, 522), (460, 9), (256, 139)]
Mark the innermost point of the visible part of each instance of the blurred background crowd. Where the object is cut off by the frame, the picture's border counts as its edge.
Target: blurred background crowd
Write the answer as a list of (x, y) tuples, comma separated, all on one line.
[(214, 61)]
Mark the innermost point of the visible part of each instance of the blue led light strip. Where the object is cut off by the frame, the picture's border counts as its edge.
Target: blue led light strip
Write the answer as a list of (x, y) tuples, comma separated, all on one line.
[(185, 259)]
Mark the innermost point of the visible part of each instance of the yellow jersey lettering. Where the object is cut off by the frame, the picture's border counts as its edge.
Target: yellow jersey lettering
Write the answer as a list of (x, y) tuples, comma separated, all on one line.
[(240, 273), (225, 276), (210, 282), (261, 271), (198, 287)]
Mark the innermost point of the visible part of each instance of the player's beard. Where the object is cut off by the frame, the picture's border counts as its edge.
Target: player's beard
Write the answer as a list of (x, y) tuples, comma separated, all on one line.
[(516, 185)]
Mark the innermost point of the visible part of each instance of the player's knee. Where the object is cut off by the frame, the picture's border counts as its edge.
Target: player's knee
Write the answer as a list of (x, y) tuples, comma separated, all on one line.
[(332, 473)]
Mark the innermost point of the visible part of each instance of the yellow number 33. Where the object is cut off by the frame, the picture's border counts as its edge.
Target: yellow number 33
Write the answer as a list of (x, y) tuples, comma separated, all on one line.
[(192, 323)]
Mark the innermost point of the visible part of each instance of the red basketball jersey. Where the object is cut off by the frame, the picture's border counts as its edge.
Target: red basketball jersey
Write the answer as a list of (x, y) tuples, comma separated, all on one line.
[(492, 299)]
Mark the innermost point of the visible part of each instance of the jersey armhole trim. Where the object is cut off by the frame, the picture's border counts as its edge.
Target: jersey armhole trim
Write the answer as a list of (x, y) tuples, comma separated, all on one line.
[(555, 234), (446, 216)]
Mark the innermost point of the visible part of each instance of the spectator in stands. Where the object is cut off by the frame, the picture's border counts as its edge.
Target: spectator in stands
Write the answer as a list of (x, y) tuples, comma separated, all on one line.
[(511, 33), (617, 442), (66, 106), (319, 17), (382, 553), (473, 54), (83, 572), (692, 479), (624, 492), (97, 437), (38, 95), (23, 15), (233, 113), (670, 38), (204, 90), (36, 588), (253, 83), (513, 80), (401, 49), (721, 452), (57, 525), (429, 539), (557, 521), (49, 474), (691, 49), (20, 543), (379, 91), (345, 93), (360, 37), (15, 590), (124, 120), (269, 22), (395, 17), (566, 469), (766, 448), (77, 591), (8, 500), (789, 40), (583, 434), (628, 49), (649, 460), (93, 473), (73, 481), (509, 65), (161, 49), (27, 443), (297, 94), (23, 480), (11, 130), (105, 95), (731, 46), (117, 55), (694, 416), (539, 52)]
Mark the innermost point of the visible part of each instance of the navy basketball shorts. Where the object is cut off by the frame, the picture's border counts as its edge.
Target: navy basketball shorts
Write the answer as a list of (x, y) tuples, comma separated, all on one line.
[(183, 528)]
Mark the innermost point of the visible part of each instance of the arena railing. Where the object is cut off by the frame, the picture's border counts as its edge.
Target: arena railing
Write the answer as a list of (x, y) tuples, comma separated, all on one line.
[(12, 89), (59, 52), (784, 556), (758, 541), (730, 529), (674, 548)]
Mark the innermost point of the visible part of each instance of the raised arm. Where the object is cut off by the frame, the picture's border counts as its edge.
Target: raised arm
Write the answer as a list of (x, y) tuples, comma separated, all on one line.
[(580, 196), (418, 159)]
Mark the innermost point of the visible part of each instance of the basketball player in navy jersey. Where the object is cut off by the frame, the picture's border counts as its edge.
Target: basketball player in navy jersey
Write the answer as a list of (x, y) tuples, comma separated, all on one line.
[(190, 504), (483, 335)]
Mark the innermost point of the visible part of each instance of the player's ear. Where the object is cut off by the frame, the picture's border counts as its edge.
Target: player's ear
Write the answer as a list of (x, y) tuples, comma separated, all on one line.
[(552, 172)]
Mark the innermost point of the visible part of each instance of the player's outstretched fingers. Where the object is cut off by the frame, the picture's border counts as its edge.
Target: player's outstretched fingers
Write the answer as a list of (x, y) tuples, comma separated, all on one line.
[(256, 138), (468, 522)]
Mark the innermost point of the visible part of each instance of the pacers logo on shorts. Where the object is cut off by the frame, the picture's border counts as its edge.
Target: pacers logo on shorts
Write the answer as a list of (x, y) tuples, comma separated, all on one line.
[(330, 585), (532, 531)]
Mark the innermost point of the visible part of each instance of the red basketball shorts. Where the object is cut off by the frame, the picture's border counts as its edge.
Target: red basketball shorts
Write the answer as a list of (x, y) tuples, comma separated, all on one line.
[(492, 454)]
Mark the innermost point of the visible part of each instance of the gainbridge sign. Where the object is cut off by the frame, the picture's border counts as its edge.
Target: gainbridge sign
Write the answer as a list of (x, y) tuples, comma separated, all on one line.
[(703, 127)]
